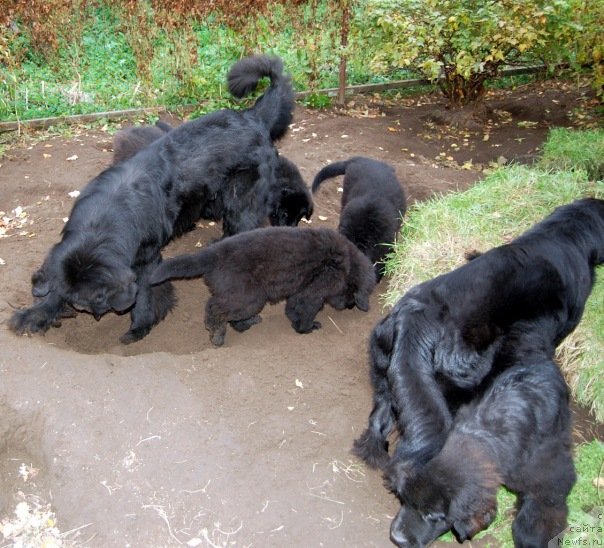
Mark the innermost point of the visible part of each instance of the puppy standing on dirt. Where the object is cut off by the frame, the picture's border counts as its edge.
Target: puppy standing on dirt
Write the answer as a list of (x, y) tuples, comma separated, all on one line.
[(447, 338), (289, 197), (373, 204), (305, 267), (516, 434), (123, 217)]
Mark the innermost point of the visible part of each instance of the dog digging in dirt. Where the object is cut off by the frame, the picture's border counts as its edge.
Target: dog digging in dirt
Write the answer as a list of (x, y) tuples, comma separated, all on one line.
[(289, 197), (124, 216), (517, 434), (446, 339), (373, 204), (307, 268)]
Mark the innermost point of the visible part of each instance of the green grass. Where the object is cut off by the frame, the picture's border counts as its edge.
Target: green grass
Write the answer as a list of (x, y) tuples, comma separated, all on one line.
[(564, 151), (585, 503), (437, 233), (96, 68)]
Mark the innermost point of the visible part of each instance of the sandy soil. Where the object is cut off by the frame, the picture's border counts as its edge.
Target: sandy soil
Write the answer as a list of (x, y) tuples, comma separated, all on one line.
[(170, 441)]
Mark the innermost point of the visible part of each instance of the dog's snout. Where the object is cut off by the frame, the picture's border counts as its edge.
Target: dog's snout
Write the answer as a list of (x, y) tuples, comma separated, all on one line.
[(399, 538)]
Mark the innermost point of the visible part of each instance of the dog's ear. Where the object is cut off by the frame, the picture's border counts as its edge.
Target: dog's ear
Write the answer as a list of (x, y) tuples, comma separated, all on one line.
[(361, 300), (366, 286), (475, 521), (125, 291)]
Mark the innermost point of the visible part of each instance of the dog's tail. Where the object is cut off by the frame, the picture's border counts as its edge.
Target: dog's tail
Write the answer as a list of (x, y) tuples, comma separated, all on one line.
[(329, 171), (193, 265), (275, 107)]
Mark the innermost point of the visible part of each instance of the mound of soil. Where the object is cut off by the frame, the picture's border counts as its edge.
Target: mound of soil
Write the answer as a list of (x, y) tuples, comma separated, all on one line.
[(171, 441)]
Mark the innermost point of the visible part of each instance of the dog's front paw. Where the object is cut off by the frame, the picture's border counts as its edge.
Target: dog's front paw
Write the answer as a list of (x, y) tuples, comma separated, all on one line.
[(244, 325), (134, 335), (31, 320), (316, 325), (372, 449), (217, 339)]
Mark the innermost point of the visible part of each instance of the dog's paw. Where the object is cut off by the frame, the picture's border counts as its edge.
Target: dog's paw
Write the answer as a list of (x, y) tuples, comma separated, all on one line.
[(31, 320), (134, 335), (217, 339), (316, 325), (371, 449), (244, 325)]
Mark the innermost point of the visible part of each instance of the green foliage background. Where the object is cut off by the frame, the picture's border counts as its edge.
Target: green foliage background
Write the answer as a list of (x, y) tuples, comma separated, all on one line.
[(69, 57)]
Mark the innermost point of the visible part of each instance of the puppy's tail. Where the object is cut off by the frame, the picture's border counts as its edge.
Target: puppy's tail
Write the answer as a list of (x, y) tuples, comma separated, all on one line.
[(329, 171), (193, 265), (275, 107)]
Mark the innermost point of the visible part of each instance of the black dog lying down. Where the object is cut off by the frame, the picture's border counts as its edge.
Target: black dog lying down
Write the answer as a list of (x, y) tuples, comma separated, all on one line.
[(305, 267), (517, 434), (289, 197), (123, 217), (373, 204), (447, 338)]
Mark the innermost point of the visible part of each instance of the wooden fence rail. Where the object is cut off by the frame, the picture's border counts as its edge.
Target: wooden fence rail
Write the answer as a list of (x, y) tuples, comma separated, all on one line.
[(43, 123)]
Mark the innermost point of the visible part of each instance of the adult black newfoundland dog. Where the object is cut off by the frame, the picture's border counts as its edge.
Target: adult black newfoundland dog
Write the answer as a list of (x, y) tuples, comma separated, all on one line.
[(289, 197), (517, 434), (305, 267), (123, 217), (447, 338), (373, 204)]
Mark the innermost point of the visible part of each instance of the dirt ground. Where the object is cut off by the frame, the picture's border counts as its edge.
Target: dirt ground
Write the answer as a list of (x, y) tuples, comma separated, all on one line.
[(170, 441)]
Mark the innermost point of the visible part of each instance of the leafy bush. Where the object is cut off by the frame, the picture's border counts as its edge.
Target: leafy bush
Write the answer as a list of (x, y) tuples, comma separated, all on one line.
[(458, 43)]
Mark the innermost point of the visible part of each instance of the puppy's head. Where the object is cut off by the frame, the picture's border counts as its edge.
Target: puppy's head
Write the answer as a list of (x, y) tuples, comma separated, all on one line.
[(455, 490), (424, 505), (361, 280), (95, 282), (290, 208)]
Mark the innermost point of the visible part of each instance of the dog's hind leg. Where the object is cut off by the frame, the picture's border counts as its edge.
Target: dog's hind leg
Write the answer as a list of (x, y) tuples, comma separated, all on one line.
[(372, 445)]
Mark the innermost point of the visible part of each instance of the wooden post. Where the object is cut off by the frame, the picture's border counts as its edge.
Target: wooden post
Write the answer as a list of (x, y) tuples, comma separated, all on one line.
[(343, 43)]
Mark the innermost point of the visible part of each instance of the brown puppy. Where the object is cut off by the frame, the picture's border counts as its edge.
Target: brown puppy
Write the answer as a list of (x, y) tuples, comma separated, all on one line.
[(305, 267)]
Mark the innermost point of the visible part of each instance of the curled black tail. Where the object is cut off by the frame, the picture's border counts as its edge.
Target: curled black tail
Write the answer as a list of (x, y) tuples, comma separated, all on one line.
[(329, 171), (275, 107)]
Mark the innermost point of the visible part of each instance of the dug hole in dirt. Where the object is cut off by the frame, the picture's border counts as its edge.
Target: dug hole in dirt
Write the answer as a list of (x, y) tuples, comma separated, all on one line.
[(170, 441)]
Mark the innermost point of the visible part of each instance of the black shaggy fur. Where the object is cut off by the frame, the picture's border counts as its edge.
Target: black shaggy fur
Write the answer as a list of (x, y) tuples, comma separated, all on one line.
[(123, 217), (289, 197), (517, 434), (127, 142), (447, 338), (373, 204), (305, 267)]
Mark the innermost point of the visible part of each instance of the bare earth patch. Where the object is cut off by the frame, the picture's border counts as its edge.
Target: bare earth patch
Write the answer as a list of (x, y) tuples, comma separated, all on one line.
[(170, 441)]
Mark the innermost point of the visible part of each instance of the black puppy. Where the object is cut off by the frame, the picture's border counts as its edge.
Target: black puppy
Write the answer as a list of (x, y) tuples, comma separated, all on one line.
[(289, 197), (123, 217), (447, 338), (373, 204), (305, 267), (516, 434), (127, 142)]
